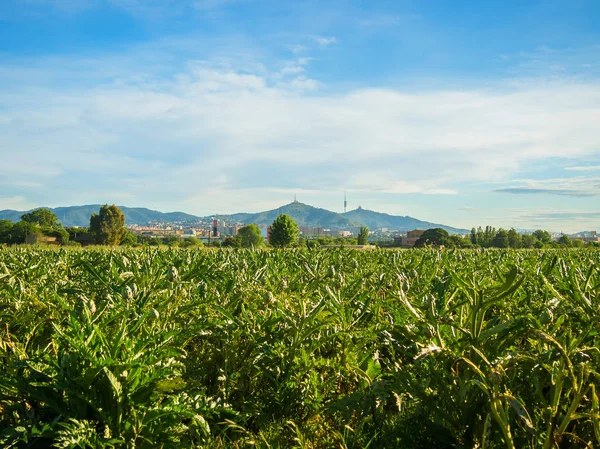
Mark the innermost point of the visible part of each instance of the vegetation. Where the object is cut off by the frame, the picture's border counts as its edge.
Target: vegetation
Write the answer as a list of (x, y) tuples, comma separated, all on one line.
[(108, 225), (433, 237), (284, 232), (250, 236), (299, 348), (363, 236), (37, 226), (42, 217)]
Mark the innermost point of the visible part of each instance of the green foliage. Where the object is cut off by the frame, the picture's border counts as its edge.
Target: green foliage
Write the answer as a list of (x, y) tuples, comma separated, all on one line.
[(363, 236), (565, 240), (129, 239), (42, 217), (284, 232), (191, 242), (514, 238), (501, 240), (6, 227), (434, 237), (543, 236), (108, 225), (250, 236), (21, 230), (61, 234), (232, 242), (302, 348)]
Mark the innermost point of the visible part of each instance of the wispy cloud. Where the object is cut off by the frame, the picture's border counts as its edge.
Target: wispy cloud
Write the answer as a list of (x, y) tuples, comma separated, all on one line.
[(584, 168), (325, 41), (561, 192), (297, 48), (567, 220), (221, 125), (384, 20), (578, 187)]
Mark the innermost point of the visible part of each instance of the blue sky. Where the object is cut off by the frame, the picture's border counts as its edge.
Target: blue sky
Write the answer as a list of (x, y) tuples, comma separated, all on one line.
[(460, 112)]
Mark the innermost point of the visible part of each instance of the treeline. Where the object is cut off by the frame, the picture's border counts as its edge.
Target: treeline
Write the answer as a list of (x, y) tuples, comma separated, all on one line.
[(36, 226), (501, 238), (107, 227)]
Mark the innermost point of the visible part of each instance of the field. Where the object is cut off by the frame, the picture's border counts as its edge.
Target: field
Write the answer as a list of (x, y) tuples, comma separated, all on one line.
[(309, 349)]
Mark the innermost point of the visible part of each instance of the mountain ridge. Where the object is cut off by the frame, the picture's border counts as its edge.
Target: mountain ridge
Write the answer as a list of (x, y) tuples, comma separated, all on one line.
[(303, 214)]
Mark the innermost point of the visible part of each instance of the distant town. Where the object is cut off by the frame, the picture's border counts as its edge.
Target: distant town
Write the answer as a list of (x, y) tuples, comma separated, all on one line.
[(315, 227), (218, 231)]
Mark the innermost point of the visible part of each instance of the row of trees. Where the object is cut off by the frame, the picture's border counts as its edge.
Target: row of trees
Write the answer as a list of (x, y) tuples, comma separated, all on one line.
[(34, 225), (502, 238), (492, 238), (107, 227)]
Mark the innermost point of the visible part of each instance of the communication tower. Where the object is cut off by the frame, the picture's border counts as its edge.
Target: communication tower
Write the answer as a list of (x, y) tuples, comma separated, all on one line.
[(345, 202)]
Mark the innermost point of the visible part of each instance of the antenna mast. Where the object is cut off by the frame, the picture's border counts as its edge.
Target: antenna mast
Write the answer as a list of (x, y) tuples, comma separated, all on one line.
[(345, 202)]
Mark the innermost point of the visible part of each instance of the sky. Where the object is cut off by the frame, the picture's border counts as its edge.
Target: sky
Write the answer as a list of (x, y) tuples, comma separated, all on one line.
[(459, 112)]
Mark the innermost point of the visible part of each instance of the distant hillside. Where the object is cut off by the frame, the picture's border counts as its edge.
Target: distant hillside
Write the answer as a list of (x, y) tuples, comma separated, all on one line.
[(80, 215), (374, 220), (303, 214)]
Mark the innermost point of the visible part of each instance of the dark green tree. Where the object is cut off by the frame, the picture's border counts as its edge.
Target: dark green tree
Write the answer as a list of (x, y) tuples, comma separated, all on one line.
[(435, 237), (501, 239), (250, 236), (232, 242), (284, 231), (514, 238), (543, 236), (6, 227), (129, 239), (108, 225), (456, 241), (191, 242), (61, 235), (363, 236), (528, 241), (473, 236), (42, 217), (565, 240), (21, 230)]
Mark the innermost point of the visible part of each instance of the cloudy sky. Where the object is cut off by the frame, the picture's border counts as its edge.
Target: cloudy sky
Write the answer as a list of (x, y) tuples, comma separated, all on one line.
[(454, 111)]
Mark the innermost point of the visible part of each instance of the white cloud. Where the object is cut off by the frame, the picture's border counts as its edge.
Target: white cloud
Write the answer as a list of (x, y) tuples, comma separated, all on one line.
[(584, 168), (292, 70), (297, 48), (325, 41), (166, 137), (574, 187), (15, 203)]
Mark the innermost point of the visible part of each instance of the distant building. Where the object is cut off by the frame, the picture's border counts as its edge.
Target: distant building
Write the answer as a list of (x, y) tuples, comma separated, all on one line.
[(412, 237), (189, 233), (311, 230), (37, 239)]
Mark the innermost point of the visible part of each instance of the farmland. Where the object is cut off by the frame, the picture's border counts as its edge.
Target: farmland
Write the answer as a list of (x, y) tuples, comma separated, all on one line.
[(299, 348)]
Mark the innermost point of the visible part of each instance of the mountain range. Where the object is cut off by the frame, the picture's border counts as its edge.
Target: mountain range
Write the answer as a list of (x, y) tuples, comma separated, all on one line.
[(303, 214)]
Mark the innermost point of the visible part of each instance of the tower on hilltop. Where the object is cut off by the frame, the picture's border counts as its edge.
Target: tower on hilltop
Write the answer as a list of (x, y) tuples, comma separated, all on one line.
[(345, 202)]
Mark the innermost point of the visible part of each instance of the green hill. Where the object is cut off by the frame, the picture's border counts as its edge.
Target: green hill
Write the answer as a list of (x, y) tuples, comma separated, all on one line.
[(80, 215), (375, 220), (303, 214)]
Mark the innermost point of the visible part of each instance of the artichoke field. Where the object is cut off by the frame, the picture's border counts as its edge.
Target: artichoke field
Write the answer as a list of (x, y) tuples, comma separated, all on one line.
[(158, 348)]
